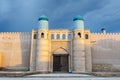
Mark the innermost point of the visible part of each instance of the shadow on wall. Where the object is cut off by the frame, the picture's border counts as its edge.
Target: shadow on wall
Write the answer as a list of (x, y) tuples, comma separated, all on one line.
[(106, 55), (25, 50), (16, 51)]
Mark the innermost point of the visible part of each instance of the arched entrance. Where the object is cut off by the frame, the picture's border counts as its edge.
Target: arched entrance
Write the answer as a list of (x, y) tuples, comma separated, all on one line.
[(60, 60), (60, 63)]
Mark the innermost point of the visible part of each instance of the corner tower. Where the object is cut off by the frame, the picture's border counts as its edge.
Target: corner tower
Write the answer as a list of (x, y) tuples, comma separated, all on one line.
[(78, 45), (42, 62), (43, 23), (78, 23)]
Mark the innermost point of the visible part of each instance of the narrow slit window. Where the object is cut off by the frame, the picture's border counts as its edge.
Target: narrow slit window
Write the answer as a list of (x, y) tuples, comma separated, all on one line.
[(63, 36), (52, 36), (42, 35), (79, 34), (58, 36), (86, 36), (35, 36)]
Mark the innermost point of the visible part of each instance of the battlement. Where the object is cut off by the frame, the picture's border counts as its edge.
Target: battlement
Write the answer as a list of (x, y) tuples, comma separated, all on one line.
[(105, 34), (15, 35), (101, 36)]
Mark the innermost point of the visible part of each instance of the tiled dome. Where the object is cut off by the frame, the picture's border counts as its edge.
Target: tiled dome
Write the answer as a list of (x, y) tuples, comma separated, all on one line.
[(43, 17), (78, 18)]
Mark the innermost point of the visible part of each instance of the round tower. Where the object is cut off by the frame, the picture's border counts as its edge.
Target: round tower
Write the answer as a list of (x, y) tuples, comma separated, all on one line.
[(78, 23), (43, 22), (42, 62), (78, 45)]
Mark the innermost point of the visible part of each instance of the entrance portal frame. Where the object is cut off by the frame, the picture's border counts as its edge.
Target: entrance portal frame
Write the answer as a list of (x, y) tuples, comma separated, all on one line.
[(62, 55), (69, 60)]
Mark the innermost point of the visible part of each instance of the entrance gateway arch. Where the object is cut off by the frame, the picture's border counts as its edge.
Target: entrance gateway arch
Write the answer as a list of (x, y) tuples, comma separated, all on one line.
[(61, 59)]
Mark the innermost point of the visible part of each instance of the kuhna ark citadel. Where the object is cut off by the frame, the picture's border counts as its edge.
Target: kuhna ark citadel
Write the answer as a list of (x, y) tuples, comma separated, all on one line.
[(60, 50)]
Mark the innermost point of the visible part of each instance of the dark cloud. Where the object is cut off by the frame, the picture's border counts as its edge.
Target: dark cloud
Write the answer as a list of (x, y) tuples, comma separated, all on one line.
[(22, 15), (107, 16)]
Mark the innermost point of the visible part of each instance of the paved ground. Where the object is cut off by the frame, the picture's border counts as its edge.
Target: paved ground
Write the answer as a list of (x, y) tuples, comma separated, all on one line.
[(59, 78), (60, 75)]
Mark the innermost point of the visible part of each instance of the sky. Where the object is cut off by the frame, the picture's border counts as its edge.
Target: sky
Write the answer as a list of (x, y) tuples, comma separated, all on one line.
[(22, 15)]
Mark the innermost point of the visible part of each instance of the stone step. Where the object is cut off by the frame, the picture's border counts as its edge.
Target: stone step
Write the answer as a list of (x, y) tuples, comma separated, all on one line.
[(60, 75), (43, 75)]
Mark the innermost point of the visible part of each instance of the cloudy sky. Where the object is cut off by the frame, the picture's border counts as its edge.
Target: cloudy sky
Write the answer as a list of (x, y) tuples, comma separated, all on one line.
[(22, 15)]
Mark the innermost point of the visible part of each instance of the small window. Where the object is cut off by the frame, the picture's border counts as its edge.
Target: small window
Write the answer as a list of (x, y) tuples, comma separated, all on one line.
[(79, 34), (42, 35), (35, 36), (52, 36), (69, 36), (63, 36), (58, 36), (86, 36)]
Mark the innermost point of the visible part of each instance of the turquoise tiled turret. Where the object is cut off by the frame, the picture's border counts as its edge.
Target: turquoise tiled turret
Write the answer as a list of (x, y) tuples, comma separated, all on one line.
[(43, 23), (78, 22), (43, 17)]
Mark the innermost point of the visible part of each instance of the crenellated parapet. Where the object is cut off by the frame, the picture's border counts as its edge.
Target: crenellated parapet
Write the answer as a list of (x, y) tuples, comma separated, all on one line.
[(101, 36), (15, 35)]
